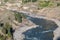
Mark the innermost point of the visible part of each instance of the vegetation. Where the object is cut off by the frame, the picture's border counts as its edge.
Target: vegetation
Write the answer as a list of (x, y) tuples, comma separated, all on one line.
[(34, 0), (2, 37), (6, 32), (23, 16), (26, 1), (8, 29), (58, 4), (1, 24), (5, 0), (18, 17), (43, 4)]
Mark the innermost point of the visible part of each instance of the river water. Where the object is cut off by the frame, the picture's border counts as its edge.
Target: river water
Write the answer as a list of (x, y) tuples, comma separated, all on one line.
[(42, 32)]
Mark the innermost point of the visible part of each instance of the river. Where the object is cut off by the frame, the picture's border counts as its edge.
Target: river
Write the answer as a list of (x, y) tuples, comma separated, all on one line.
[(45, 30)]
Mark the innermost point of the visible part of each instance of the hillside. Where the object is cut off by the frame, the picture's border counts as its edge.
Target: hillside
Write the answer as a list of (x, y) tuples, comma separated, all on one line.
[(21, 17)]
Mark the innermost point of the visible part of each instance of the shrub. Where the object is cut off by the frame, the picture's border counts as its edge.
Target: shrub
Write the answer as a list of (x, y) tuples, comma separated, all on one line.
[(5, 0), (34, 0), (2, 37), (7, 32), (58, 4), (1, 24), (26, 1), (18, 17), (7, 29), (43, 4)]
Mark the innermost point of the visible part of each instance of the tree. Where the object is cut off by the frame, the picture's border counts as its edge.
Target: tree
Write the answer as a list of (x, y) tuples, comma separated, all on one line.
[(43, 4), (5, 1), (2, 37), (18, 17), (7, 28), (26, 1)]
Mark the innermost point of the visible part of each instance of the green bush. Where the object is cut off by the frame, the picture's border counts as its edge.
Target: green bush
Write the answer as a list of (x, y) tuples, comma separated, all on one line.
[(4, 30), (43, 4), (58, 4), (5, 0), (2, 37), (34, 0), (7, 25), (7, 31), (1, 24), (18, 17), (23, 16), (26, 1)]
